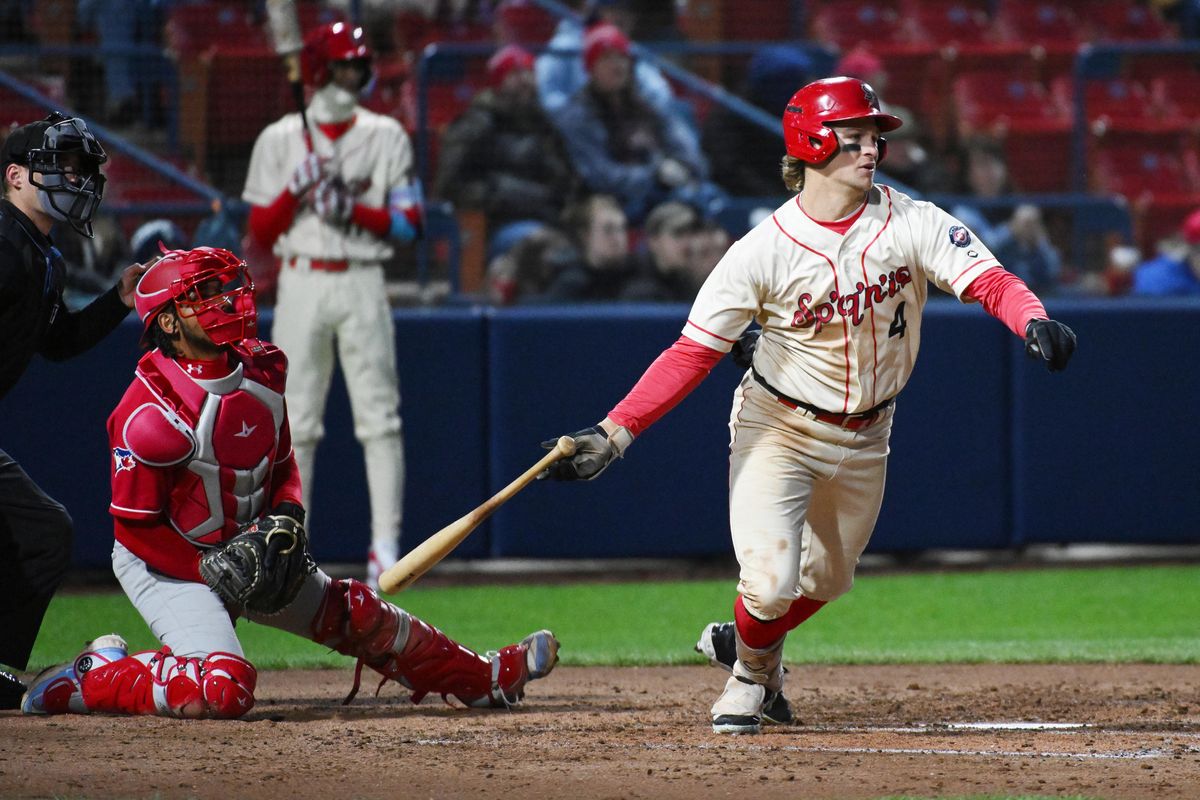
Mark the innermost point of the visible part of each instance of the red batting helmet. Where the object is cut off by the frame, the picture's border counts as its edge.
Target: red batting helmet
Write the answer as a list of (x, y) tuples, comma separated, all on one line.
[(209, 283), (805, 121), (327, 44)]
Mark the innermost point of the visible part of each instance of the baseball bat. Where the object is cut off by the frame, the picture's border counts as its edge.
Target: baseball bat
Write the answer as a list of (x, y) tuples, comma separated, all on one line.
[(407, 570), (284, 26)]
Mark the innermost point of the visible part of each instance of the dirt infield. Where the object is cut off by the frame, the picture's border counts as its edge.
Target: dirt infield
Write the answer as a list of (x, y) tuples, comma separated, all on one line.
[(1128, 731)]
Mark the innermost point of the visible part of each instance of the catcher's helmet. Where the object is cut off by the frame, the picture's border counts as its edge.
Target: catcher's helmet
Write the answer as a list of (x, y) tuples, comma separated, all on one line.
[(806, 134), (327, 44), (209, 283), (67, 157)]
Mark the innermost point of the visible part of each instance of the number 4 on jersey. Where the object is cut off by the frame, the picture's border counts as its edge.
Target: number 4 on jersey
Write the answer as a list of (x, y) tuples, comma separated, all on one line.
[(898, 325)]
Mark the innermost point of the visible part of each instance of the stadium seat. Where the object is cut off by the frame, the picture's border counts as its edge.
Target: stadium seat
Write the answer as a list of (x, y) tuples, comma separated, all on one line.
[(194, 29), (1125, 21), (524, 22), (988, 101), (769, 21), (1052, 28), (1178, 91), (955, 22), (1120, 104), (866, 23)]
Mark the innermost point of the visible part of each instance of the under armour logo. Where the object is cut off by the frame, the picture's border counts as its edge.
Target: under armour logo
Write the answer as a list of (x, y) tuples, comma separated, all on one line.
[(246, 430), (194, 369)]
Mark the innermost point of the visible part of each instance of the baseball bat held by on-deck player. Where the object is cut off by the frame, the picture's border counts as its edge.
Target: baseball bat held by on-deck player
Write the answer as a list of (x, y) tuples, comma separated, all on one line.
[(287, 40), (407, 570)]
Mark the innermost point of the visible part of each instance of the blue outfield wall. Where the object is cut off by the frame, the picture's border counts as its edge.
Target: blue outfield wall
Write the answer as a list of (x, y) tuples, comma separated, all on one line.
[(988, 450)]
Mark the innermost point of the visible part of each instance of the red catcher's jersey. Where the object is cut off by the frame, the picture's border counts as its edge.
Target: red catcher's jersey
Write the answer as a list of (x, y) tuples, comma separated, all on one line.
[(197, 457)]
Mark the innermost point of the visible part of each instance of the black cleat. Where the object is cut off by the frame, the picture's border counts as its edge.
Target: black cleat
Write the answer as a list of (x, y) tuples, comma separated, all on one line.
[(718, 643), (11, 691)]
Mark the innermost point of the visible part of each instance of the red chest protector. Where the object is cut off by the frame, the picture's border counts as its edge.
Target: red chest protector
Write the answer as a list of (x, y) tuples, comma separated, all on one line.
[(220, 439)]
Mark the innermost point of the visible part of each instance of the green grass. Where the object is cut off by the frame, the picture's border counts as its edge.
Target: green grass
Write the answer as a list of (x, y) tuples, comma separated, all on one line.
[(1145, 613)]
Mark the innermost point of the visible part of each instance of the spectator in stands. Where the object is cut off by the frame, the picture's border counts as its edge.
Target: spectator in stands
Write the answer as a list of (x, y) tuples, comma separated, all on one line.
[(983, 174), (744, 154), (561, 72), (1176, 268), (220, 229), (119, 26), (503, 155), (622, 146), (146, 239), (91, 261), (664, 262), (523, 272), (600, 268), (1024, 248)]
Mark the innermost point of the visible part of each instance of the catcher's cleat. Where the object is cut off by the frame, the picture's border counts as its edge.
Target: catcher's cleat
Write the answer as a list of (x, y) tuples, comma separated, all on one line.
[(718, 643), (739, 708), (11, 691), (55, 690), (514, 666), (541, 653)]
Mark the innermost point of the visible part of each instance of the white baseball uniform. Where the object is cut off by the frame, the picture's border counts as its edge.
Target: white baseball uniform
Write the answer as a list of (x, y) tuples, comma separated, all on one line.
[(331, 292), (841, 319)]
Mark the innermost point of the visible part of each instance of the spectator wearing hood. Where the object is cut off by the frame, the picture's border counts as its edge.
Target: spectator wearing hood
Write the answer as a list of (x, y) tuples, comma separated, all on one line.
[(503, 155), (1175, 271)]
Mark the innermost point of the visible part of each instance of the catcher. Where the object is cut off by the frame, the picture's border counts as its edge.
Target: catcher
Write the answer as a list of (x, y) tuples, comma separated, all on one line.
[(209, 527)]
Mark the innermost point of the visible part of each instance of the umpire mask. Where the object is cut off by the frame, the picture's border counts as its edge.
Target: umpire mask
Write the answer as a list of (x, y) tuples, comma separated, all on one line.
[(69, 159)]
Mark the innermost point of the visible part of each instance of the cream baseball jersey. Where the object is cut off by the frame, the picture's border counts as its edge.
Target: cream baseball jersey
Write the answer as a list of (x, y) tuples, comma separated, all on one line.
[(372, 157), (841, 314)]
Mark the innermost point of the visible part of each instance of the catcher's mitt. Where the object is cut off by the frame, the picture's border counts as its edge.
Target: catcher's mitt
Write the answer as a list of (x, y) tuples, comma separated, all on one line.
[(263, 567)]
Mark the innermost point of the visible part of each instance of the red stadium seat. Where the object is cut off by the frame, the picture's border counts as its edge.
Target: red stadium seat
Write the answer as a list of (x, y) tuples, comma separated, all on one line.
[(1120, 104), (131, 182), (866, 23), (1039, 154), (1053, 28), (952, 23), (524, 22), (1177, 91), (1124, 21), (757, 21), (194, 29), (987, 101)]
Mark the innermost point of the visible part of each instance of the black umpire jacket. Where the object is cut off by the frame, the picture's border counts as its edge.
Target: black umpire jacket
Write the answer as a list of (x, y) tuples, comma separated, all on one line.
[(33, 318)]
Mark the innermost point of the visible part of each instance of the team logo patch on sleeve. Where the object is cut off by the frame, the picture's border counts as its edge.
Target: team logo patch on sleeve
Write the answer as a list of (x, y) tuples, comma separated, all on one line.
[(123, 459), (959, 236)]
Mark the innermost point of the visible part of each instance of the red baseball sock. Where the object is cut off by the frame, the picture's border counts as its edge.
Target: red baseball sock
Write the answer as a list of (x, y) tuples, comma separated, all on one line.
[(761, 635)]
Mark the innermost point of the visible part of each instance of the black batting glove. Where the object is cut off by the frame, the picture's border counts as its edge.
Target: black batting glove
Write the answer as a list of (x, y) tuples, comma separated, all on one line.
[(1051, 341), (594, 451), (743, 349)]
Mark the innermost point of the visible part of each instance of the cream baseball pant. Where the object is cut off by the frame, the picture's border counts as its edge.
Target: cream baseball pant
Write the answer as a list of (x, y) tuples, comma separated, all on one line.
[(316, 314), (190, 619), (803, 500)]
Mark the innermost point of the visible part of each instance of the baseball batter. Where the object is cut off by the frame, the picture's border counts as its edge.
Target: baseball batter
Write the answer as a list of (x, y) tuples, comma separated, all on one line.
[(837, 279), (332, 201), (200, 447)]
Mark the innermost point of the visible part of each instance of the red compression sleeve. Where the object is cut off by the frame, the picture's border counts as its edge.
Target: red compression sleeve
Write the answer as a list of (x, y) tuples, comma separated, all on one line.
[(376, 220), (268, 222), (668, 380), (1007, 298)]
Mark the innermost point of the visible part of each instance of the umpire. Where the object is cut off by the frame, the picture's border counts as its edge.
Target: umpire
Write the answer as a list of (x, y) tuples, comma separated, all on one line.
[(51, 174)]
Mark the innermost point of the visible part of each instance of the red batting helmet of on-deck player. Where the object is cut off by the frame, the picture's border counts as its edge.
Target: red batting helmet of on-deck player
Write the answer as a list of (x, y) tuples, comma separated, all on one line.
[(210, 283), (806, 134), (327, 44)]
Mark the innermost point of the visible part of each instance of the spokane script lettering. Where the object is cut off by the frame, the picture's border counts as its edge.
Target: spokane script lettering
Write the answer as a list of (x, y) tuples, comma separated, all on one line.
[(853, 306)]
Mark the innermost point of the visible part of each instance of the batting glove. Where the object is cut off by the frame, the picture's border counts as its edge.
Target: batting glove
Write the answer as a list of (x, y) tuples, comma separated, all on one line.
[(333, 203), (743, 349), (1051, 341), (310, 172), (594, 451)]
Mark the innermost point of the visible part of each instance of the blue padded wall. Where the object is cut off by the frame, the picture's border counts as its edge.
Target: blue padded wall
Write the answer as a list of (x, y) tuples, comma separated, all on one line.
[(1107, 450), (947, 483), (556, 370)]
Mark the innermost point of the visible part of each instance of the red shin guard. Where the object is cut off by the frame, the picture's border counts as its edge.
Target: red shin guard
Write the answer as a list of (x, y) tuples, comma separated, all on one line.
[(761, 634), (220, 686)]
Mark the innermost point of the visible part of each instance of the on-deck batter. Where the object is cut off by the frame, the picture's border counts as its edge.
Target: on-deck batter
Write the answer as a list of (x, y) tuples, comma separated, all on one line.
[(200, 445), (332, 212), (837, 278)]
